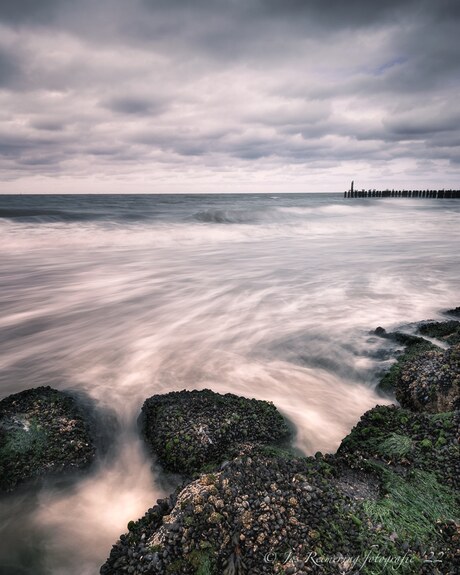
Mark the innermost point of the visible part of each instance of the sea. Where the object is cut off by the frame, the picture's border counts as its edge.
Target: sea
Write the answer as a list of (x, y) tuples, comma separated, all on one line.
[(119, 297)]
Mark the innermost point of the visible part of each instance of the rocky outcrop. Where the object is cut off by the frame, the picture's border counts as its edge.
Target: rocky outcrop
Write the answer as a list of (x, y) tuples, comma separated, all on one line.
[(192, 431), (257, 515), (387, 501), (42, 432), (446, 331), (414, 346), (400, 440), (425, 377), (430, 381), (455, 312), (262, 515)]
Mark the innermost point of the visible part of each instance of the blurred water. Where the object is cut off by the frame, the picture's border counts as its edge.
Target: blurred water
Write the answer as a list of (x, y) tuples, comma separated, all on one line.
[(122, 297)]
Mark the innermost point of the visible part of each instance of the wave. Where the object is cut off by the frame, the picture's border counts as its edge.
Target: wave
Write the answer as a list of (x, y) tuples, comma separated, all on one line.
[(225, 216), (44, 215)]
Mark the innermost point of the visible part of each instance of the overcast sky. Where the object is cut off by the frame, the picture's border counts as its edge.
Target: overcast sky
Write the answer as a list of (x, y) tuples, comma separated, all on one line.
[(228, 95)]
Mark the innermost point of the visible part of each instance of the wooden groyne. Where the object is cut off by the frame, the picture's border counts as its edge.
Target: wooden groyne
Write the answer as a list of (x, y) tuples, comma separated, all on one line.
[(441, 194)]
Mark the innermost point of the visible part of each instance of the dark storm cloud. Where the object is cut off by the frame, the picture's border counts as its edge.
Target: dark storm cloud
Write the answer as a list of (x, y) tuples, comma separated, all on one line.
[(153, 86)]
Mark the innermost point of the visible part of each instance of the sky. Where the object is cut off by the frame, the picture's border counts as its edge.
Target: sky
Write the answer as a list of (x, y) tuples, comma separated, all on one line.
[(228, 95)]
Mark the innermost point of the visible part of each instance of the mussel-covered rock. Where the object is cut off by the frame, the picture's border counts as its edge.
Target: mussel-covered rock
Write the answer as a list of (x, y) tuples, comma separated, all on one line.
[(190, 431), (263, 515), (387, 501), (425, 377), (414, 347), (430, 381), (42, 432), (257, 515)]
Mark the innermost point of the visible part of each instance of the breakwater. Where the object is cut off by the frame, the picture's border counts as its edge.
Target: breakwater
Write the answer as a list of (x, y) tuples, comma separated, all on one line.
[(441, 194)]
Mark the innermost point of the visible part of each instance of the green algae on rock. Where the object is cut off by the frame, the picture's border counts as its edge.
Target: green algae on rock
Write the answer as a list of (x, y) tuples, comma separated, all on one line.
[(42, 432), (193, 431), (416, 458), (400, 440)]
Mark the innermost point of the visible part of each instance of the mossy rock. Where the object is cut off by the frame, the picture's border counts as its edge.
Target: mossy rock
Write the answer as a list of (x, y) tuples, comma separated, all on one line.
[(393, 484), (192, 431), (42, 432), (416, 459)]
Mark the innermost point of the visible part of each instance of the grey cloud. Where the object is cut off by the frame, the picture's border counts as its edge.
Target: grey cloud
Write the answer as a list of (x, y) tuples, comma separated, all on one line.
[(136, 106), (48, 125), (336, 13), (120, 87), (40, 160), (8, 68), (417, 126), (29, 11)]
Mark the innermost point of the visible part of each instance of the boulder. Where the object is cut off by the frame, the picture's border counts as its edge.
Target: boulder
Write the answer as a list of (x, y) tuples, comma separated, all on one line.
[(192, 431), (42, 432)]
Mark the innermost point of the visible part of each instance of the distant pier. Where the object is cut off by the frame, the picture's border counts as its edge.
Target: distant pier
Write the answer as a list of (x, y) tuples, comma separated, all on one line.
[(439, 194)]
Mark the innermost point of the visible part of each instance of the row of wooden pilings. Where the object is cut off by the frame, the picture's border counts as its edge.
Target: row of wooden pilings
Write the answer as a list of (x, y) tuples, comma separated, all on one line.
[(402, 194)]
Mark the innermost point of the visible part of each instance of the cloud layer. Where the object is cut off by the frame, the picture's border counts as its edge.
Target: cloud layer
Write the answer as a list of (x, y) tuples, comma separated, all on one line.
[(228, 95)]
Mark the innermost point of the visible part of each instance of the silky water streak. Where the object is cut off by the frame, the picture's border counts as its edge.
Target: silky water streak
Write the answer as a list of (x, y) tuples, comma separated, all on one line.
[(118, 298)]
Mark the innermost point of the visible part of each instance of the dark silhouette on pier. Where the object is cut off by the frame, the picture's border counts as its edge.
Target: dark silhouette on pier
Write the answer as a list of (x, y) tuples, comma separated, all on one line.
[(441, 194)]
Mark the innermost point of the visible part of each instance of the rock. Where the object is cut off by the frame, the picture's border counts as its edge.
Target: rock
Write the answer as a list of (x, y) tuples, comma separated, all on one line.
[(414, 347), (430, 381), (257, 538), (196, 536), (401, 440), (447, 331), (454, 312), (192, 430), (393, 486), (42, 432)]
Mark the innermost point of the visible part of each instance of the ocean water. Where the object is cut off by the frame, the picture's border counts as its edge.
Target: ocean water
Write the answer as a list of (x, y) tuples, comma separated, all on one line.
[(121, 297)]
